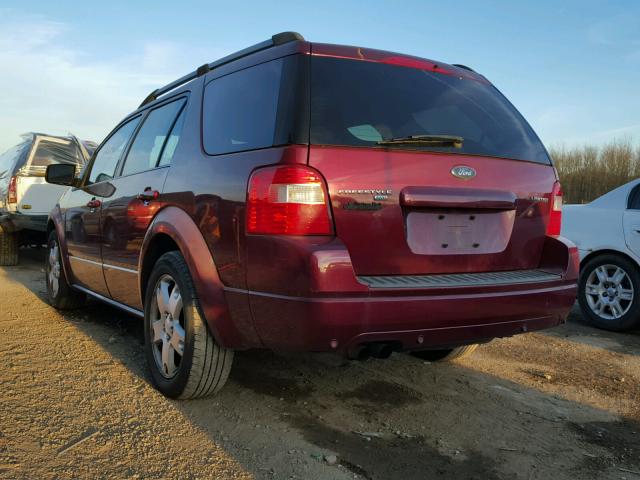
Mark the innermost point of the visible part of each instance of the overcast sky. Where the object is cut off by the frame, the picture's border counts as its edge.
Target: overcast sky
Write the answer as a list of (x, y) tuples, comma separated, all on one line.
[(572, 68)]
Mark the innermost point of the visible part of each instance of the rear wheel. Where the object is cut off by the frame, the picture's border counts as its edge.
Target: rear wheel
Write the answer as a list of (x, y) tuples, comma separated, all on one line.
[(184, 358), (60, 293), (8, 248), (609, 291), (445, 355)]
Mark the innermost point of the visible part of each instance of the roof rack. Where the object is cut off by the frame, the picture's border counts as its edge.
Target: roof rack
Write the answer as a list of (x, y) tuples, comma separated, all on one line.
[(459, 65), (275, 40)]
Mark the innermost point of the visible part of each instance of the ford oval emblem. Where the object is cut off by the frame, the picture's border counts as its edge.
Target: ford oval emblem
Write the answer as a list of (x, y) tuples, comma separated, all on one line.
[(463, 171)]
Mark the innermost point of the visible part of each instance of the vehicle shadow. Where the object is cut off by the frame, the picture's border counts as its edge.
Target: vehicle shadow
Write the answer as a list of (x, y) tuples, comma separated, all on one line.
[(283, 416), (578, 330)]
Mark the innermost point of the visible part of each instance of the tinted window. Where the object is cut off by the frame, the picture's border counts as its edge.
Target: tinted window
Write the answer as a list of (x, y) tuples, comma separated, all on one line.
[(106, 160), (151, 138), (359, 103), (240, 109), (634, 198)]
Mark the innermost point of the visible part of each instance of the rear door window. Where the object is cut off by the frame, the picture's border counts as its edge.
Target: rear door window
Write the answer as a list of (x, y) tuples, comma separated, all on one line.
[(151, 140), (240, 109), (110, 152), (358, 103), (172, 141)]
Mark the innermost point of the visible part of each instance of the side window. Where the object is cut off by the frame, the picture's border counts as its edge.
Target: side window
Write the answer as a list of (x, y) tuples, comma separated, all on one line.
[(240, 109), (106, 160), (634, 198), (151, 138), (172, 141)]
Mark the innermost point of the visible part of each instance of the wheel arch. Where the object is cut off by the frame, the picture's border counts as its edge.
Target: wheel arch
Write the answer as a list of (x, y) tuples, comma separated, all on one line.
[(173, 229), (608, 251), (55, 223)]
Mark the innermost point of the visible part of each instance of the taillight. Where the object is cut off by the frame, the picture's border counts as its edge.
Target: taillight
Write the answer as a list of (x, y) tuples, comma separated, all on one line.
[(555, 210), (289, 200), (12, 194)]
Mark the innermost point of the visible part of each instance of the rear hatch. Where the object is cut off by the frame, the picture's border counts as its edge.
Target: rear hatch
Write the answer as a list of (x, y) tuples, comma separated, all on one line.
[(429, 168)]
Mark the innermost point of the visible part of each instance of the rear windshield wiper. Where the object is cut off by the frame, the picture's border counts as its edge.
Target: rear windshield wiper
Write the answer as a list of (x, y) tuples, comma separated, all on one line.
[(430, 140)]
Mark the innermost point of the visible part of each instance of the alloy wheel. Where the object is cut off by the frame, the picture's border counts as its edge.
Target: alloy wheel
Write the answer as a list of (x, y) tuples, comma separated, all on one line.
[(53, 270), (167, 326), (609, 291)]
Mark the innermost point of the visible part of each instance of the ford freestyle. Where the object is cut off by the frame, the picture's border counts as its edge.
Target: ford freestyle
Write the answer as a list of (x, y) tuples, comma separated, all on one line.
[(311, 197)]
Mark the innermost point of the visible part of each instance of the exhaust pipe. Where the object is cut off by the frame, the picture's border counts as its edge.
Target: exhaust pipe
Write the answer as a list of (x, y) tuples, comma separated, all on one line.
[(381, 350)]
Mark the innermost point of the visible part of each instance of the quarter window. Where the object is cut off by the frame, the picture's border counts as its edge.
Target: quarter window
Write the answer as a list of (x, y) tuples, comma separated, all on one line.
[(106, 160), (150, 141), (240, 109)]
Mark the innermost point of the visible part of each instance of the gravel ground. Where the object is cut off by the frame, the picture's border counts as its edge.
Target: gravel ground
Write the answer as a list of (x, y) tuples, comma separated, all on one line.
[(76, 402)]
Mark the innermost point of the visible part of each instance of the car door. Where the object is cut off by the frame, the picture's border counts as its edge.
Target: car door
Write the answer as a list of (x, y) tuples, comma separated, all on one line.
[(631, 221), (126, 215), (82, 209)]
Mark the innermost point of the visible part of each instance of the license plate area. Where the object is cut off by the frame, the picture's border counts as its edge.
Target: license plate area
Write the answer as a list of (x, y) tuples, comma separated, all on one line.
[(454, 232)]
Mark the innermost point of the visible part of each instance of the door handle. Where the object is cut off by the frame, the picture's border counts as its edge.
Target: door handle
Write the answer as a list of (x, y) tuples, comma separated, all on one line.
[(94, 203), (148, 194)]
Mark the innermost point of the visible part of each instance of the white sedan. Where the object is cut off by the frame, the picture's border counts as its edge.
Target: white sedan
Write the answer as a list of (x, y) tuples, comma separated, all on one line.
[(607, 233)]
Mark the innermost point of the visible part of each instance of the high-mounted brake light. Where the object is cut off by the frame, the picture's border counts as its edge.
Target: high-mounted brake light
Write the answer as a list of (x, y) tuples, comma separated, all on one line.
[(288, 200), (12, 193), (555, 210)]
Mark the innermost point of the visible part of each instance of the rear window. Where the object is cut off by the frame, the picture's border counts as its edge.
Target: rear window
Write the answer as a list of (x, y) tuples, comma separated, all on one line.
[(49, 152), (358, 103)]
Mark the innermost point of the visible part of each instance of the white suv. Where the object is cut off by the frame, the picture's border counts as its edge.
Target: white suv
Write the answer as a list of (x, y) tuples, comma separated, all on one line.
[(25, 198)]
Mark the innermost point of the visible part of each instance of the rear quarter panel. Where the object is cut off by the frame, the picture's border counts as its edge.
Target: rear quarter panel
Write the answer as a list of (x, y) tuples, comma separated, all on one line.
[(593, 228)]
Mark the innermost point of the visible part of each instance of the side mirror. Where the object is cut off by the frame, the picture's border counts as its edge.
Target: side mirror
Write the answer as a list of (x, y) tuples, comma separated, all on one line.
[(61, 174)]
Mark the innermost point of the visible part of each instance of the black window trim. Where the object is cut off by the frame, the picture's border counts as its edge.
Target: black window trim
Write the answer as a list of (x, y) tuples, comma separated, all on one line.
[(184, 95), (142, 114)]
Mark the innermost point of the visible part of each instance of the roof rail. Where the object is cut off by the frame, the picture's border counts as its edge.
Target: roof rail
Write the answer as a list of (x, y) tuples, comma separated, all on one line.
[(275, 40), (463, 66)]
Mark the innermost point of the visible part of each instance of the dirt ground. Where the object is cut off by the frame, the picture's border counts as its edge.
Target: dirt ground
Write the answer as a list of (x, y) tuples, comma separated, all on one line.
[(76, 402)]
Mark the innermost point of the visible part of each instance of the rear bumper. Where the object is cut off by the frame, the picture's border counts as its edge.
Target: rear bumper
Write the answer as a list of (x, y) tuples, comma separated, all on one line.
[(339, 313), (414, 322), (14, 222)]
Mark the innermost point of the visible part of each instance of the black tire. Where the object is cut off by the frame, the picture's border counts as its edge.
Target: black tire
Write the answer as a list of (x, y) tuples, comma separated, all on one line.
[(631, 318), (8, 248), (446, 355), (204, 365), (65, 297)]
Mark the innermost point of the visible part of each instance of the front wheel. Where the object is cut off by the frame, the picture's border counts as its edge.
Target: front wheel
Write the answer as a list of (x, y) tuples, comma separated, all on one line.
[(445, 355), (608, 293), (60, 293), (184, 358)]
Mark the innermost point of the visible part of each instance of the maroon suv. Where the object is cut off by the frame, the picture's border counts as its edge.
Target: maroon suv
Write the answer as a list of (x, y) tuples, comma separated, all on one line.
[(311, 197)]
